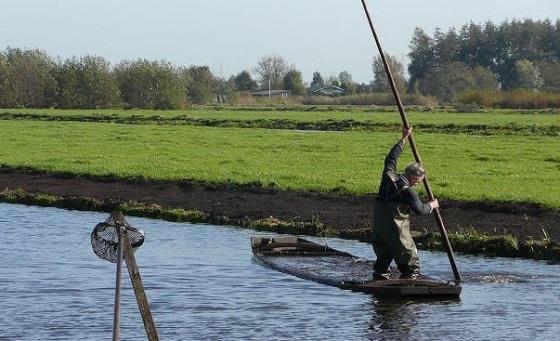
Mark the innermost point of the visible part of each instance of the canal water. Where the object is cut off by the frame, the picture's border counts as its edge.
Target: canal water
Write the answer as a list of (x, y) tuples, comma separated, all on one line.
[(203, 285)]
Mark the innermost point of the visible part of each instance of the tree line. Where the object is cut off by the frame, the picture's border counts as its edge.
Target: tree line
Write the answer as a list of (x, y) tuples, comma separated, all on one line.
[(486, 57), (29, 78), (32, 79), (513, 55)]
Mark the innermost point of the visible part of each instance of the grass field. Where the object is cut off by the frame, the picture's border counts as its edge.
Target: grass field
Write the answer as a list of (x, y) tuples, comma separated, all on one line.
[(489, 123), (462, 167)]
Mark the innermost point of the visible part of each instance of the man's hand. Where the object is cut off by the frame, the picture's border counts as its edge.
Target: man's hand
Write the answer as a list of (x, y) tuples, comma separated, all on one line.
[(405, 134), (433, 204)]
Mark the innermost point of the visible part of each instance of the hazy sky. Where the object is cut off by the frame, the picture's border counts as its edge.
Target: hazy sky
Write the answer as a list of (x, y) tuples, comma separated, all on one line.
[(231, 35)]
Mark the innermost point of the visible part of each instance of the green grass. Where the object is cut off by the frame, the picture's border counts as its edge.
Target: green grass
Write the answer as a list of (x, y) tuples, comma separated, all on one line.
[(495, 122), (462, 167)]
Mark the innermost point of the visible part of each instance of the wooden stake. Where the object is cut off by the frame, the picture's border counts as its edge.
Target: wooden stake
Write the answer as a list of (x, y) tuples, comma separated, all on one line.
[(116, 314), (141, 297)]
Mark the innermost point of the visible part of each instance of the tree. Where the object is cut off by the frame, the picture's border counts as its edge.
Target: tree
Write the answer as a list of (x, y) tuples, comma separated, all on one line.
[(421, 56), (489, 46), (294, 82), (381, 82), (86, 82), (69, 94), (534, 41), (363, 88), (200, 84), (333, 80), (5, 91), (555, 42), (271, 70), (528, 75), (344, 77), (484, 78), (445, 46), (550, 72), (149, 84), (29, 79), (225, 88), (448, 81), (346, 83), (244, 82), (471, 42), (317, 80)]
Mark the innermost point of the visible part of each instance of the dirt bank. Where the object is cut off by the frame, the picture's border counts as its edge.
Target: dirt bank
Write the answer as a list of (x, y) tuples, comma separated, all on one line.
[(339, 212)]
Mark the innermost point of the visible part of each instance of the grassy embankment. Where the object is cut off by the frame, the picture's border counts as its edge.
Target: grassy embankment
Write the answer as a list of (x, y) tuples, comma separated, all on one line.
[(381, 119), (462, 167)]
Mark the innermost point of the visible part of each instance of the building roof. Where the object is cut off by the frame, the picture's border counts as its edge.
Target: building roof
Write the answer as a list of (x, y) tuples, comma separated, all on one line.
[(266, 92), (328, 88)]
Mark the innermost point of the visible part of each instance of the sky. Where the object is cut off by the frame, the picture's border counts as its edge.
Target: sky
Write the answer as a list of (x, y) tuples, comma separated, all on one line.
[(230, 36)]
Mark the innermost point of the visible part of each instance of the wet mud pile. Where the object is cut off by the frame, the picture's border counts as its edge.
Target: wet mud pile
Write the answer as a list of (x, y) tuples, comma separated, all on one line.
[(242, 203)]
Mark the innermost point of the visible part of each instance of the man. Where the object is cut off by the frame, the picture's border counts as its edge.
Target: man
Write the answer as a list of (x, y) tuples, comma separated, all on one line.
[(391, 220)]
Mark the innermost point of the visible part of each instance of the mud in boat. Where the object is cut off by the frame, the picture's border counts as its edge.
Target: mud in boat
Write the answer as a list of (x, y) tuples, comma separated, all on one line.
[(323, 264)]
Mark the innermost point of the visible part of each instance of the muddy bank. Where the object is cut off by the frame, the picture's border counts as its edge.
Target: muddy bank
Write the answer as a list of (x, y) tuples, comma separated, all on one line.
[(252, 203)]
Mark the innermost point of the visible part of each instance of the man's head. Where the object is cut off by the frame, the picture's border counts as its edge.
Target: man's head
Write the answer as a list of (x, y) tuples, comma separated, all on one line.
[(414, 173)]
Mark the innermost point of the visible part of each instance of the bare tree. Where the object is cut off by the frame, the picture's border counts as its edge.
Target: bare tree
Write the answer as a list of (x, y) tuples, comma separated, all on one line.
[(272, 69), (345, 77), (333, 80), (381, 83)]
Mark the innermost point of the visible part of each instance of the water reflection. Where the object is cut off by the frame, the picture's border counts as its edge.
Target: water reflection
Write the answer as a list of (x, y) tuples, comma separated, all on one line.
[(397, 319)]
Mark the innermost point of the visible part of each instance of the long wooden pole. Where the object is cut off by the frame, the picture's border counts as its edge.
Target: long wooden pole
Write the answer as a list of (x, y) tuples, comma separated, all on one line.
[(437, 212)]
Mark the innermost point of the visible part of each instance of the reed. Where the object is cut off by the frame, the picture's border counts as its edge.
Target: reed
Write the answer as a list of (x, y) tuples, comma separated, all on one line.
[(517, 99)]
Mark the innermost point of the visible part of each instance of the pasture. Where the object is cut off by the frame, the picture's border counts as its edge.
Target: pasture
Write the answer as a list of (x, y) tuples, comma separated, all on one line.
[(467, 167)]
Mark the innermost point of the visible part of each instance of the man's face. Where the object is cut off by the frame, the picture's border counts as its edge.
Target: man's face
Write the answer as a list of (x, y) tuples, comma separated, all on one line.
[(415, 180)]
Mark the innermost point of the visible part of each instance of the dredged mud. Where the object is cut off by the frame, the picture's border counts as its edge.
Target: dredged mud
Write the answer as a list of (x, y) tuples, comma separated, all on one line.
[(337, 211)]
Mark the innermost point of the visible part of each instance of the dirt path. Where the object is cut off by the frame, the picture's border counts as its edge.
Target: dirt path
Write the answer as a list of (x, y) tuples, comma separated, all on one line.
[(345, 212)]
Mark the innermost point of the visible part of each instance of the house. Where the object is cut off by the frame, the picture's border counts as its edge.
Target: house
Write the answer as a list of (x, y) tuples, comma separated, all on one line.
[(327, 90), (271, 93)]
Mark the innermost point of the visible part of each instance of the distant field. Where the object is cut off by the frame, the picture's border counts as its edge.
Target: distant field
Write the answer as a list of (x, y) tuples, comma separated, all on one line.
[(462, 167), (489, 123)]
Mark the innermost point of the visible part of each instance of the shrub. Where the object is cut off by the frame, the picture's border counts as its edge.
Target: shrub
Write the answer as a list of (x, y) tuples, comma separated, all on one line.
[(378, 98), (516, 99)]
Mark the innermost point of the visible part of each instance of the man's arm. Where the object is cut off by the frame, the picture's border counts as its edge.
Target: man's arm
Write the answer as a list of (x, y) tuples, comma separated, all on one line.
[(395, 152), (392, 157), (417, 206)]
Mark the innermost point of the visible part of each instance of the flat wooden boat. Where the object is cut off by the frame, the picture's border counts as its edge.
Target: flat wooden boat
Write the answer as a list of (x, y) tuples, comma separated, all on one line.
[(323, 264)]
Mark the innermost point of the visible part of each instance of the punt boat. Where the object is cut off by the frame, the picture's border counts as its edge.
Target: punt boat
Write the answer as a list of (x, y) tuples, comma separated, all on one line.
[(321, 263)]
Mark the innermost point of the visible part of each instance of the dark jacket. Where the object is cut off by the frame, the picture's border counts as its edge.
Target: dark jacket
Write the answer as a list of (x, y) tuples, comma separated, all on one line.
[(395, 187)]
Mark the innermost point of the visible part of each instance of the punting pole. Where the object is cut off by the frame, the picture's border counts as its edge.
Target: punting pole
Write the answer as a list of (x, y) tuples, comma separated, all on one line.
[(437, 213)]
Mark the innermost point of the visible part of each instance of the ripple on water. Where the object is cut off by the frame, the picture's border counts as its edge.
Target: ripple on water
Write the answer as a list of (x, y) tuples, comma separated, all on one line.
[(203, 285)]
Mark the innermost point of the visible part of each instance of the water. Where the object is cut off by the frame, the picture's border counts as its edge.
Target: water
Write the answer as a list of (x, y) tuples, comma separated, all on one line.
[(203, 285)]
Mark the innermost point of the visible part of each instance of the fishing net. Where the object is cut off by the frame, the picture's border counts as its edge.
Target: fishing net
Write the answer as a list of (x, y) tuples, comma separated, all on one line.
[(105, 239)]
